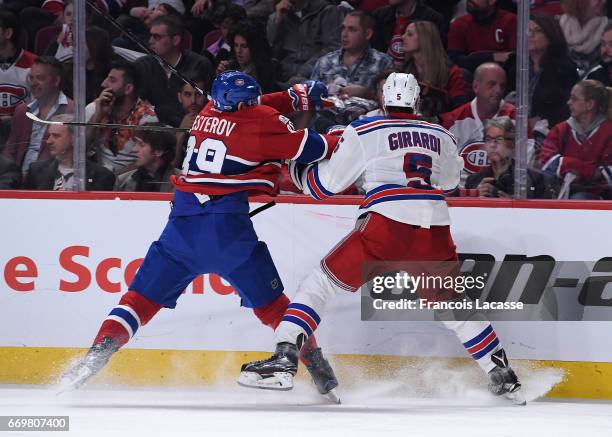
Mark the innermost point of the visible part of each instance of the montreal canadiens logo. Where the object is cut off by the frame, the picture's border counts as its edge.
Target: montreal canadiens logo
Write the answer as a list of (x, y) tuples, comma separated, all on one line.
[(397, 46), (475, 157), (10, 96)]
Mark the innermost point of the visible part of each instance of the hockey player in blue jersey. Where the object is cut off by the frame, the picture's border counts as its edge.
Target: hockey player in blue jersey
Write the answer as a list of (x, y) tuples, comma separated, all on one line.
[(236, 147)]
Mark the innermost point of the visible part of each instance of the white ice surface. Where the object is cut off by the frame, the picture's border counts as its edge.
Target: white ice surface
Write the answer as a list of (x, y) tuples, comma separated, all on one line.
[(368, 410)]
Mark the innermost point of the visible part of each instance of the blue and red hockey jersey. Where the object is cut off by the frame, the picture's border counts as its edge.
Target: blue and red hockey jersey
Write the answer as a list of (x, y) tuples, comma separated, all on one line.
[(239, 153)]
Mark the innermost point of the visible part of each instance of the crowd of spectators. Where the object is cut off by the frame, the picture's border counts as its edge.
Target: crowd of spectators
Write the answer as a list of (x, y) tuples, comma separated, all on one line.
[(463, 53)]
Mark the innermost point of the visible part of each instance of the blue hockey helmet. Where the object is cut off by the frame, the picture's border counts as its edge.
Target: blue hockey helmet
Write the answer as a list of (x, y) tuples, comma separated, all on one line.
[(232, 87)]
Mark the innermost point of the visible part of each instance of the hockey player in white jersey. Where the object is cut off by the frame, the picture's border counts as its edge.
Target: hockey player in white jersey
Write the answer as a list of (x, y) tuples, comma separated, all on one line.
[(405, 166)]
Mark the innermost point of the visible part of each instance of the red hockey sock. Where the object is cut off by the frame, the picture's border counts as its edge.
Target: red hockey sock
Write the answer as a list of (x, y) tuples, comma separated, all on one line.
[(133, 311), (308, 346), (272, 314)]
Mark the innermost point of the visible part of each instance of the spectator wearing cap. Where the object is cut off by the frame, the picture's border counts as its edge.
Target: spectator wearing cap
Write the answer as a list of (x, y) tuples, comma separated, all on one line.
[(118, 103), (57, 172), (26, 142), (485, 34), (161, 86), (351, 70), (154, 158), (392, 21)]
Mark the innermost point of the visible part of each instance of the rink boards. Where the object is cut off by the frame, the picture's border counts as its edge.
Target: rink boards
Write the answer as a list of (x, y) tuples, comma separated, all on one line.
[(66, 260)]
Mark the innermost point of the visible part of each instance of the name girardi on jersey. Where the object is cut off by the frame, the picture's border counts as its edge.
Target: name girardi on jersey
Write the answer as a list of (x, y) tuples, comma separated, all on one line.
[(405, 139)]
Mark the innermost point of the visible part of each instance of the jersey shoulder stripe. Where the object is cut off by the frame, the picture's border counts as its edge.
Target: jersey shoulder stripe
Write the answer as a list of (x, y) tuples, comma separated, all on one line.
[(399, 124)]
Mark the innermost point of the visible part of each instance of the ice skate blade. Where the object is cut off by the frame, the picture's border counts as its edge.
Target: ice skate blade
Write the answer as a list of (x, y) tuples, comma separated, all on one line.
[(516, 397), (277, 381), (65, 386), (332, 396)]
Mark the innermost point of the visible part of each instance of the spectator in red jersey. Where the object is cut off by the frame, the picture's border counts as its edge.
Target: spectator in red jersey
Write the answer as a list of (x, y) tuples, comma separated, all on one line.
[(27, 140), (486, 34), (391, 23), (583, 24), (582, 145), (467, 121), (603, 71), (551, 76), (15, 66), (443, 86)]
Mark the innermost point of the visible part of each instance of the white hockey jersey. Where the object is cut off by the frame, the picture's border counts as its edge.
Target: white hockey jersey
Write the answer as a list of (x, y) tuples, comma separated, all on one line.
[(404, 165), (467, 127)]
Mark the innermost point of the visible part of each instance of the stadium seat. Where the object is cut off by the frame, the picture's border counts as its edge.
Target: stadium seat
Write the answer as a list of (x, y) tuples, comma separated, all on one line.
[(45, 36)]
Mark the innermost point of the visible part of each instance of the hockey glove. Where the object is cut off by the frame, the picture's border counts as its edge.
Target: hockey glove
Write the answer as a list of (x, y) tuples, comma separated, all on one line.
[(308, 95)]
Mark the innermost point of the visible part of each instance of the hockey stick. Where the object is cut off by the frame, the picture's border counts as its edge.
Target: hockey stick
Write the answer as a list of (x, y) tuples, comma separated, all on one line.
[(108, 125), (262, 208), (146, 49)]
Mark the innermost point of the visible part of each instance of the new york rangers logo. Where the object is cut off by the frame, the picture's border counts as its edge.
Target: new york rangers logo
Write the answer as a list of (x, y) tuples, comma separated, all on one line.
[(475, 157), (239, 82)]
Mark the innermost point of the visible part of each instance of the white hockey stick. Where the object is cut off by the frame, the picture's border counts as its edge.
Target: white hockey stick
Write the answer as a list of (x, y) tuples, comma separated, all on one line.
[(108, 125)]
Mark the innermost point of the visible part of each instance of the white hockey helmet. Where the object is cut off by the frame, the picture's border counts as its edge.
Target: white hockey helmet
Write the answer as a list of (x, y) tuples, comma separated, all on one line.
[(401, 90)]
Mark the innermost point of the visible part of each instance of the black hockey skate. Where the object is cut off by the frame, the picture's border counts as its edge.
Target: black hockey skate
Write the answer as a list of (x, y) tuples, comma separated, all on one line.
[(275, 373), (322, 374), (95, 359), (504, 380)]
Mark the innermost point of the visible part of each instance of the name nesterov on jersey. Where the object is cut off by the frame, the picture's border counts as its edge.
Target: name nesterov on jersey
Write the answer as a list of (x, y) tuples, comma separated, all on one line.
[(214, 125)]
